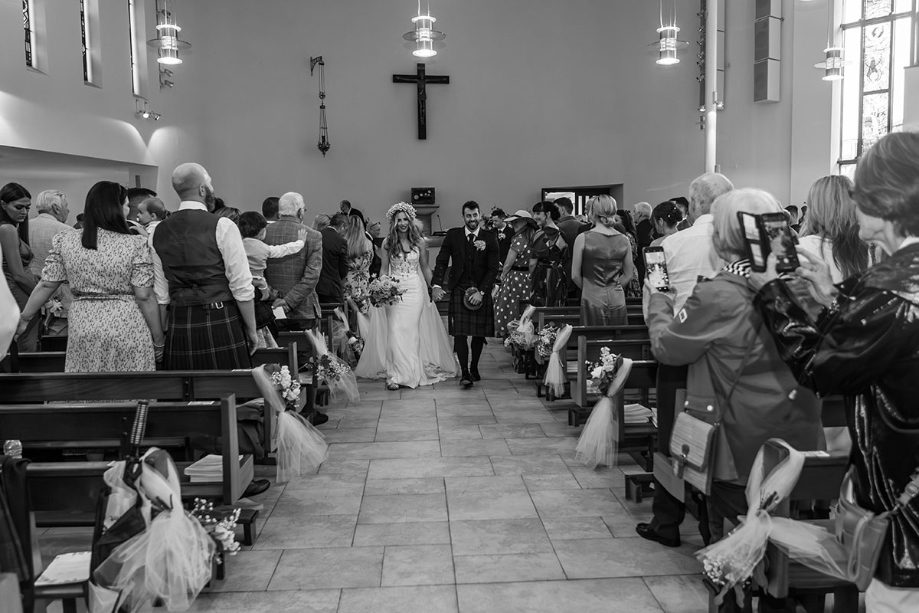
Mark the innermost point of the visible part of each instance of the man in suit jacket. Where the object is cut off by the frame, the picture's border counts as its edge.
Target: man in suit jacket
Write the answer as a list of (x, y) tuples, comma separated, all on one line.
[(295, 276), (334, 261), (474, 253)]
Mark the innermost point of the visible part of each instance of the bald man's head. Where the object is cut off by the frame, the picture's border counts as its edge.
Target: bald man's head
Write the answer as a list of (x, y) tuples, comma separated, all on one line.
[(191, 182)]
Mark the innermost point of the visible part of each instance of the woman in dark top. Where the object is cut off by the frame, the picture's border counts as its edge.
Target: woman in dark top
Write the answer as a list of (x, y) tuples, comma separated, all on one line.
[(865, 344), (15, 202), (550, 286), (627, 227)]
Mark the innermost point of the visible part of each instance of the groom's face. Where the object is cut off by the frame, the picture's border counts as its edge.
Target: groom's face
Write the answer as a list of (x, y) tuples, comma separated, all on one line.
[(472, 218)]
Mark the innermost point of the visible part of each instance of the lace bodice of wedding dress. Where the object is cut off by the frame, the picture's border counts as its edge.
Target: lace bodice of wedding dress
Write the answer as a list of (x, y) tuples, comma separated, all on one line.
[(406, 265)]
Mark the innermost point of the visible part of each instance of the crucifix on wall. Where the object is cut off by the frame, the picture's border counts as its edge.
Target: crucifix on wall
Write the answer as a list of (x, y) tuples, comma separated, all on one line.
[(421, 80)]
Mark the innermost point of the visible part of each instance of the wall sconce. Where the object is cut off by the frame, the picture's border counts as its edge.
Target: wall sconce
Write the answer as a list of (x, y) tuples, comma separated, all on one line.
[(833, 64), (167, 42), (144, 112)]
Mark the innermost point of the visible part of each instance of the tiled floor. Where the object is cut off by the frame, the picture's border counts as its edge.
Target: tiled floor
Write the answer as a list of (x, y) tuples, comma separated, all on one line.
[(444, 499)]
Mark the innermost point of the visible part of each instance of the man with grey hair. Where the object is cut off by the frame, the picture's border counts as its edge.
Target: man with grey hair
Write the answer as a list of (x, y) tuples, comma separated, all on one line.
[(690, 254), (52, 217)]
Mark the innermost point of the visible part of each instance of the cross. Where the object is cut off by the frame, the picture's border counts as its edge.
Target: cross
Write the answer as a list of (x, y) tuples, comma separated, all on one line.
[(421, 79)]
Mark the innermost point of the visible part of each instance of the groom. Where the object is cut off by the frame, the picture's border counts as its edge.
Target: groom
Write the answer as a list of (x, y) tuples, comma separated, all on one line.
[(474, 253)]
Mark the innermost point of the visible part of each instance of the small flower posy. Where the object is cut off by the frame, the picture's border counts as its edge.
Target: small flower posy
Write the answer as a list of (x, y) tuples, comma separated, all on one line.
[(329, 368), (384, 291), (603, 371), (545, 340), (54, 307), (287, 386), (400, 207), (221, 529)]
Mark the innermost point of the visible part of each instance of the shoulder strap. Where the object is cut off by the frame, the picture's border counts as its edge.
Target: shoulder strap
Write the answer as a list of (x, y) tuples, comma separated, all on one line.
[(721, 407)]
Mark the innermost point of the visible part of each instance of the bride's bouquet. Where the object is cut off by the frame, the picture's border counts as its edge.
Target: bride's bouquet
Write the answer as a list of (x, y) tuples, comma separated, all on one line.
[(384, 291)]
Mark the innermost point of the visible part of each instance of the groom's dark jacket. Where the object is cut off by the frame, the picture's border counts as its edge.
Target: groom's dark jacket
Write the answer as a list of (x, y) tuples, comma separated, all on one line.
[(482, 265)]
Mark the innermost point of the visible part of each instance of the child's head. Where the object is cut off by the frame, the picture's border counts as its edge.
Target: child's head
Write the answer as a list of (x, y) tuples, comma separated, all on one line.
[(151, 209), (252, 225)]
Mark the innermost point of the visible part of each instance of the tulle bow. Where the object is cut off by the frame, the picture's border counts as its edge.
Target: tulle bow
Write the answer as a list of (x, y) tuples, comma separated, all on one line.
[(555, 373), (342, 386), (599, 441)]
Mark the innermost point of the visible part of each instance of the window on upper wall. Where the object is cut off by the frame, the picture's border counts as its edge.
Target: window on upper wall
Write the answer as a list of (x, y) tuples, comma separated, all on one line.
[(134, 48), (28, 30), (84, 38), (876, 38)]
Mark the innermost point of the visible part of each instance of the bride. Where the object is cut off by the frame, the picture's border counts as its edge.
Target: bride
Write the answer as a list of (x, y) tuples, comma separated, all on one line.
[(406, 342)]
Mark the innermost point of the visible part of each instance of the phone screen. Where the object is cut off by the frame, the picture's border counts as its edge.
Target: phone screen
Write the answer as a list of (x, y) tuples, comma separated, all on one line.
[(781, 241), (656, 265), (755, 248)]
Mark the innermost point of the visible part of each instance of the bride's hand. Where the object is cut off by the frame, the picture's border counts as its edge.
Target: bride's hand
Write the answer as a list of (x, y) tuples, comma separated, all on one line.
[(437, 294)]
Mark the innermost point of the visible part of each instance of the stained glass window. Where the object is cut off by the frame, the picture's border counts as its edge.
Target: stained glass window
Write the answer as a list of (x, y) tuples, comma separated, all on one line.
[(876, 38), (86, 65), (27, 26), (132, 44)]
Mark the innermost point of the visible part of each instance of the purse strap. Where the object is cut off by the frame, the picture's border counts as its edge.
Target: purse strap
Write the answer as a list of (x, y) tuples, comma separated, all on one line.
[(743, 366)]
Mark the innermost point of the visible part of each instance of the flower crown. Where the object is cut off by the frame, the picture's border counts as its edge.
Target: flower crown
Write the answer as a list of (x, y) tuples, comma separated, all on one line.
[(400, 207)]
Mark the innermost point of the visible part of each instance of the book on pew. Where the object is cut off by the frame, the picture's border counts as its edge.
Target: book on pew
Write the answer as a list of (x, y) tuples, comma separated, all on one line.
[(637, 414), (208, 469), (66, 568)]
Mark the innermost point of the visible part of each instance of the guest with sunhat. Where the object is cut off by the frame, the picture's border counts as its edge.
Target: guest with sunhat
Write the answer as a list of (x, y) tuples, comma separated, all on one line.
[(515, 274)]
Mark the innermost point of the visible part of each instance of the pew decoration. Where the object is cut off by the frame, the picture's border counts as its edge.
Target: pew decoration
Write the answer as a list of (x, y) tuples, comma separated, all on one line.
[(301, 447), (555, 374), (350, 344), (333, 370), (599, 441), (219, 524), (520, 333), (168, 561), (545, 341), (731, 562)]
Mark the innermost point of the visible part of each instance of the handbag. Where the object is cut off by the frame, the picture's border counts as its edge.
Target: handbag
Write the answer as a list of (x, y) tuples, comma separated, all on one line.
[(693, 441)]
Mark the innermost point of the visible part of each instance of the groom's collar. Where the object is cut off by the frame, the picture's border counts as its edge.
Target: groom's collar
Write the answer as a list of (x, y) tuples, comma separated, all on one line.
[(467, 232)]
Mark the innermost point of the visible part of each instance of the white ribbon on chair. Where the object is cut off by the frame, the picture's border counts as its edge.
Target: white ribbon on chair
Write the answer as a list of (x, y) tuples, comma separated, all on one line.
[(555, 373), (599, 441), (526, 327)]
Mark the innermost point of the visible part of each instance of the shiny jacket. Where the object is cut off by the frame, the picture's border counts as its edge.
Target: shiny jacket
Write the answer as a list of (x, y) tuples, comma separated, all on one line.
[(866, 346)]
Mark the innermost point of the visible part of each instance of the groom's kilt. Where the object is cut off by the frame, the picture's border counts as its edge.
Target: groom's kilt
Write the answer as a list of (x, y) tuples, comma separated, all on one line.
[(464, 322)]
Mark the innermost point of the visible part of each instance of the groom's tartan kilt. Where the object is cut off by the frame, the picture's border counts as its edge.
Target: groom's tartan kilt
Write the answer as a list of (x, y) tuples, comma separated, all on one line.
[(464, 322)]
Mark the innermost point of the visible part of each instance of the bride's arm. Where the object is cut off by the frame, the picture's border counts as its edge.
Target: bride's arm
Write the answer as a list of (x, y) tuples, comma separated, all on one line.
[(423, 260)]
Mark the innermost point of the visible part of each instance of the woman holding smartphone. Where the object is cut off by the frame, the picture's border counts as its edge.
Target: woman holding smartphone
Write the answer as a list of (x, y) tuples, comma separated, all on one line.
[(601, 264)]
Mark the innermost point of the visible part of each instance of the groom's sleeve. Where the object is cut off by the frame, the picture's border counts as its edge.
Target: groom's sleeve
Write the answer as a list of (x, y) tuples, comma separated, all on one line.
[(443, 260)]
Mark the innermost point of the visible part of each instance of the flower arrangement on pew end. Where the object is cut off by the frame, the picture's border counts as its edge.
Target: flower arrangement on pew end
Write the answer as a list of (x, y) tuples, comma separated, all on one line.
[(220, 526), (603, 371), (384, 291), (287, 386), (545, 340)]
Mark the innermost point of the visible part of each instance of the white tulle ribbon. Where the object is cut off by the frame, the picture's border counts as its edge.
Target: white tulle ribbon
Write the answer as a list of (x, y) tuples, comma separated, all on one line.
[(301, 447), (733, 558), (170, 560), (344, 387), (555, 373), (599, 441), (526, 327)]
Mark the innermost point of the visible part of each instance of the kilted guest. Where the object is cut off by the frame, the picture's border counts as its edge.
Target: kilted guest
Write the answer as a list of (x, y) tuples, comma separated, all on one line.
[(202, 276), (474, 254)]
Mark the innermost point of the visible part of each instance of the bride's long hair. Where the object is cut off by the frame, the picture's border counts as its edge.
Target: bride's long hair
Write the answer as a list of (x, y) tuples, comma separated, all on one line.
[(394, 245)]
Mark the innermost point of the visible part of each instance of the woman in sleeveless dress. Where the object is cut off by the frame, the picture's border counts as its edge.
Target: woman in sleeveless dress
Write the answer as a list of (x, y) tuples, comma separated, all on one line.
[(547, 261), (15, 202), (406, 342), (601, 264)]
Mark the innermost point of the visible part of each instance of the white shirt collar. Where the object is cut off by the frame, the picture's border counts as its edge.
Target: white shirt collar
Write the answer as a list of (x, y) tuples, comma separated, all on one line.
[(187, 205), (468, 232)]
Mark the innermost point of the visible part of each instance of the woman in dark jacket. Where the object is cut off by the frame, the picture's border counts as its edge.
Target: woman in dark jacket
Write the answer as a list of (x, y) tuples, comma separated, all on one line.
[(865, 344)]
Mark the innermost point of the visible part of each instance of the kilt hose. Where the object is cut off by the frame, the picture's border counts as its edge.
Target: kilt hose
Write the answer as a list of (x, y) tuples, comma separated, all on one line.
[(206, 339), (464, 322)]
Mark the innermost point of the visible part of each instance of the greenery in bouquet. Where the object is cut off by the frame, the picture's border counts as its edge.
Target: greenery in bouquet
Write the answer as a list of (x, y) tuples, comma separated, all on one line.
[(219, 524), (384, 291), (329, 368), (545, 340), (603, 371), (288, 387)]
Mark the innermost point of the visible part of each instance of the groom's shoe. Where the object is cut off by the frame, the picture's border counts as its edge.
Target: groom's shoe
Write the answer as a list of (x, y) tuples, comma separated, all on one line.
[(466, 380), (475, 374)]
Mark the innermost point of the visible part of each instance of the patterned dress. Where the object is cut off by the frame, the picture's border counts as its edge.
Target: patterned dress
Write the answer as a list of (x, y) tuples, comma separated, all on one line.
[(108, 333), (515, 286), (357, 279)]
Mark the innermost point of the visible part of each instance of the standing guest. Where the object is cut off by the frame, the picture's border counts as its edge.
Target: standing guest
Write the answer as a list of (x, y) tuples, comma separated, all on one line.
[(792, 211), (689, 255), (136, 195), (863, 345), (375, 235), (502, 231), (230, 212), (203, 277), (79, 224), (346, 209), (683, 203), (547, 262), (473, 256), (515, 276), (270, 209), (627, 227), (665, 218), (9, 315), (53, 211), (359, 257), (321, 222), (114, 321), (334, 261), (600, 264), (830, 232), (644, 229), (15, 202), (570, 226)]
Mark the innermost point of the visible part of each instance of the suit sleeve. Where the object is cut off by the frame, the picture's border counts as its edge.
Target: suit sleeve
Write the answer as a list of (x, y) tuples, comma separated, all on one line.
[(443, 260), (343, 260), (683, 338), (307, 284)]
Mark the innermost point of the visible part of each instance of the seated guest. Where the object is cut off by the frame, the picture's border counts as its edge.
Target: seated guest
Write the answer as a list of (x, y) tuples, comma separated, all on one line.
[(830, 232), (15, 202), (515, 276), (53, 211), (665, 218), (114, 321), (334, 261), (270, 209), (547, 262), (864, 346), (600, 264), (734, 366)]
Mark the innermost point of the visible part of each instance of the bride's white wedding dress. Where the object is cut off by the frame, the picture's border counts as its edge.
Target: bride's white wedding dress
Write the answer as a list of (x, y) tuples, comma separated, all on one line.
[(406, 342)]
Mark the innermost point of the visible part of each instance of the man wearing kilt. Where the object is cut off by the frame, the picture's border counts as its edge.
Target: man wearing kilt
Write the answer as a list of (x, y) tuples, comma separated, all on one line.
[(202, 281), (473, 256)]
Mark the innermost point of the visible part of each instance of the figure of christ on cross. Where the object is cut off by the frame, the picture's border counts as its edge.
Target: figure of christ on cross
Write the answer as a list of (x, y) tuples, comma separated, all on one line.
[(421, 80)]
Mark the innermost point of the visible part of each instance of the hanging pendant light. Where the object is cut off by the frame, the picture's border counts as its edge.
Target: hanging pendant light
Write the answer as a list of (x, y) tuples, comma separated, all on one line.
[(667, 44), (833, 65), (167, 42), (424, 35)]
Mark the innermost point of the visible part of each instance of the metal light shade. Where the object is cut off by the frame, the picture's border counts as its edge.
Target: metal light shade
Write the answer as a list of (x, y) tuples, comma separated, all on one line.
[(668, 46), (167, 42), (424, 35), (833, 65), (168, 56)]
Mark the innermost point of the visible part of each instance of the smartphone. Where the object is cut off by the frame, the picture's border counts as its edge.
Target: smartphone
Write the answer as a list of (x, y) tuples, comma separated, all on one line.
[(656, 265), (781, 241), (757, 247)]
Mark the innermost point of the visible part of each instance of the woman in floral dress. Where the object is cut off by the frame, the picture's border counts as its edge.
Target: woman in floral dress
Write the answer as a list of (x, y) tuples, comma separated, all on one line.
[(515, 277), (360, 255)]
